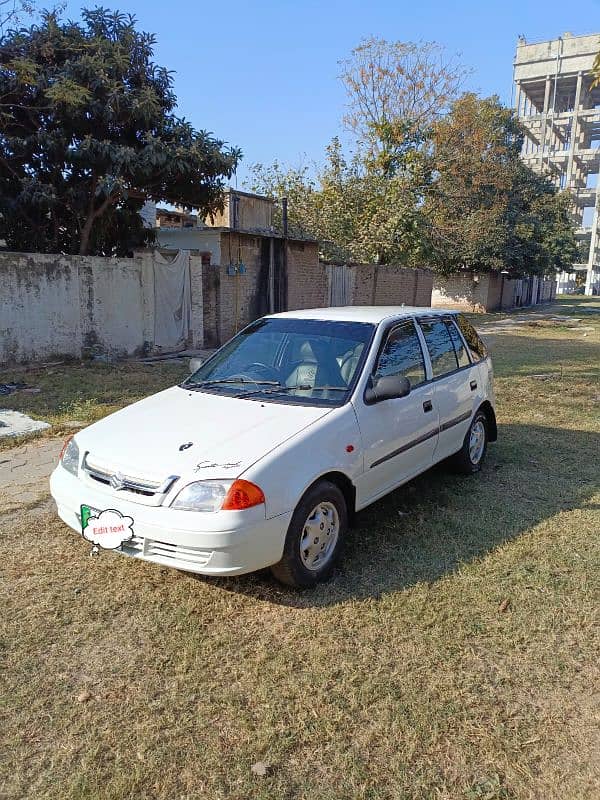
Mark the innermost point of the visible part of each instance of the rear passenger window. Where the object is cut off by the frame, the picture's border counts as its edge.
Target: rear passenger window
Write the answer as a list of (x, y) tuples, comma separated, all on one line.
[(461, 350), (476, 346), (402, 355), (440, 346)]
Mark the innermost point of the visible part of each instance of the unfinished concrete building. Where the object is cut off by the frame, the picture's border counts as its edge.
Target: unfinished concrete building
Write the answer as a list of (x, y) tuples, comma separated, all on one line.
[(561, 115)]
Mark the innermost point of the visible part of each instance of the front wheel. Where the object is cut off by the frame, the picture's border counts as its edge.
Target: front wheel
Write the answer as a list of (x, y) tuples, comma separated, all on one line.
[(470, 457), (315, 537)]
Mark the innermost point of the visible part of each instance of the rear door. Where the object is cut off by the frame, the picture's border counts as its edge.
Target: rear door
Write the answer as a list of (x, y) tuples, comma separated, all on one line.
[(398, 436), (455, 380)]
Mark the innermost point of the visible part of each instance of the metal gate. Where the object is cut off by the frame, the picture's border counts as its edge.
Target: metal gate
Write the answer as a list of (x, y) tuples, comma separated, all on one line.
[(341, 284)]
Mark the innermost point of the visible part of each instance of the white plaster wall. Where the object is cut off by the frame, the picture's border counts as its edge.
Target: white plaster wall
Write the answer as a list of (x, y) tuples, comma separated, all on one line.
[(54, 305), (201, 239), (39, 307), (112, 304)]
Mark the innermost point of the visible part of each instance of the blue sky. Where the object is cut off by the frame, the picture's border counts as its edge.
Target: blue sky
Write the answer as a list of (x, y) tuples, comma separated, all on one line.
[(263, 75)]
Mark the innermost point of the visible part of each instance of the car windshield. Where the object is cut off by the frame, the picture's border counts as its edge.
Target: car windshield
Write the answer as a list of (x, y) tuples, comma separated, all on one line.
[(302, 361)]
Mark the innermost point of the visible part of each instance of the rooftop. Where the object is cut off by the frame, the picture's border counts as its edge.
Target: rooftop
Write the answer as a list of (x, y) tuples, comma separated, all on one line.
[(372, 314)]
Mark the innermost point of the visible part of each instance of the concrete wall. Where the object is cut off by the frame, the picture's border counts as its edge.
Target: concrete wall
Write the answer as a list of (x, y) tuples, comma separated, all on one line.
[(72, 305), (76, 305)]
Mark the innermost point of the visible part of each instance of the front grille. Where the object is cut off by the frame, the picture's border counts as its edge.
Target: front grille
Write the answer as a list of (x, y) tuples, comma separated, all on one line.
[(118, 481)]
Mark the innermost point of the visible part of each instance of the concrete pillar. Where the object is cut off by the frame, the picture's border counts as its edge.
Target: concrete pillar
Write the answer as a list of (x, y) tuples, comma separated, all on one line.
[(518, 98), (545, 115), (574, 129), (589, 281)]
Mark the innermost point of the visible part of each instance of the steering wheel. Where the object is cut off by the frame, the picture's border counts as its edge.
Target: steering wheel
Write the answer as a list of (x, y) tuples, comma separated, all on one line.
[(264, 371)]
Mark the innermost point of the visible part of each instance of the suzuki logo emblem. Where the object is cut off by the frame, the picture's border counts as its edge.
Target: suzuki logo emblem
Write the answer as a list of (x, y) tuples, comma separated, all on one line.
[(117, 481)]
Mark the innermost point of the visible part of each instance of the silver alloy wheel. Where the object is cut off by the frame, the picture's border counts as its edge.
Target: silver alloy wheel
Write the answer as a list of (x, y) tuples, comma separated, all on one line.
[(319, 536), (477, 441)]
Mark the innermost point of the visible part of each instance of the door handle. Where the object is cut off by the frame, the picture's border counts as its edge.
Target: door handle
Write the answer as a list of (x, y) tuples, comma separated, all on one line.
[(427, 406), (473, 385)]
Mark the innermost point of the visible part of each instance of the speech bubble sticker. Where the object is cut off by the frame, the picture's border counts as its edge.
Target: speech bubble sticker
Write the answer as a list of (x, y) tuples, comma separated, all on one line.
[(109, 529)]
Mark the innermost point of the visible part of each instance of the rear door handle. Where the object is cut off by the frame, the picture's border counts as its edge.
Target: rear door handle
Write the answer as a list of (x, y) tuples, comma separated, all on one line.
[(473, 385), (427, 406)]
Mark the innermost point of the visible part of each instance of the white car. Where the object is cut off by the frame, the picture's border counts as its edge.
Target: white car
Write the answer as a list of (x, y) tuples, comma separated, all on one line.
[(261, 457)]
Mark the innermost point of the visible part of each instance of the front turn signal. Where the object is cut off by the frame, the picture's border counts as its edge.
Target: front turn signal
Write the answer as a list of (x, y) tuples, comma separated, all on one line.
[(242, 494)]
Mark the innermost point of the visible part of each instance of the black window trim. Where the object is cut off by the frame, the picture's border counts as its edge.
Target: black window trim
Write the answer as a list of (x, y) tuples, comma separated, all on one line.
[(444, 318), (388, 329)]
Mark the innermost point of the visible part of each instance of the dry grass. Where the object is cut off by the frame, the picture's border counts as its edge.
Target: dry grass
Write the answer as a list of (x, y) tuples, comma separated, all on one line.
[(402, 678), (84, 391)]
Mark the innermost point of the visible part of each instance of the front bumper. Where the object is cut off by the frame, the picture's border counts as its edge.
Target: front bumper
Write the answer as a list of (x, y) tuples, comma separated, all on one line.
[(221, 543)]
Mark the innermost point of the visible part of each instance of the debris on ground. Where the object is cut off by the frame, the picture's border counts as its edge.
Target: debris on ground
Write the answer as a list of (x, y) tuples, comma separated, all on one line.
[(504, 605), (261, 768), (9, 388), (13, 423)]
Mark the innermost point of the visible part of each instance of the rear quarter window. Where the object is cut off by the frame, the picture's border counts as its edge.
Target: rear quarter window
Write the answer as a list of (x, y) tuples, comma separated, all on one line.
[(471, 337)]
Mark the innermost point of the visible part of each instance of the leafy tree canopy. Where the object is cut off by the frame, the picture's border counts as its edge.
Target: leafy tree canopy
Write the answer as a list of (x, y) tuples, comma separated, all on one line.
[(486, 210), (88, 132), (359, 212)]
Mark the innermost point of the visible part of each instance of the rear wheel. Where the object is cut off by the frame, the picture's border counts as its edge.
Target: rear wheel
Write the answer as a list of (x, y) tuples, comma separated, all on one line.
[(471, 455), (315, 537)]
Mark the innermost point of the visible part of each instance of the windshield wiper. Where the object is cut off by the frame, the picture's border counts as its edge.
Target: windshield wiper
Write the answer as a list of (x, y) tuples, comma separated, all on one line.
[(301, 387), (216, 381)]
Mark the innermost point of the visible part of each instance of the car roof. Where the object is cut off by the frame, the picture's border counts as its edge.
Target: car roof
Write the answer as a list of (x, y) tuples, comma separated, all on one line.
[(372, 314)]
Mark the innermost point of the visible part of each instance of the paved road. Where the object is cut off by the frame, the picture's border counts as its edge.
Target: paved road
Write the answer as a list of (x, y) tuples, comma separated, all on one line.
[(24, 473)]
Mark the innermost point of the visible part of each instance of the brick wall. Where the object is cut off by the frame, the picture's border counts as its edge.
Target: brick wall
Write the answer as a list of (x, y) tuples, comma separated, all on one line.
[(231, 301), (390, 284), (396, 285), (464, 292), (306, 277)]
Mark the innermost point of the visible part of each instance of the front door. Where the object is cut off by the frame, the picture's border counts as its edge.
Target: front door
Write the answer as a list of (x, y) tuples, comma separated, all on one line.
[(398, 436)]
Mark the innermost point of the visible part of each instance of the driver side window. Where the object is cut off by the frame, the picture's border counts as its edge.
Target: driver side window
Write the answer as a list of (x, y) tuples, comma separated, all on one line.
[(402, 355)]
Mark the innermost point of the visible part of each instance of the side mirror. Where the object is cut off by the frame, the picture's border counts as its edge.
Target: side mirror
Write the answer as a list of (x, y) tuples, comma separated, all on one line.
[(388, 387), (195, 364)]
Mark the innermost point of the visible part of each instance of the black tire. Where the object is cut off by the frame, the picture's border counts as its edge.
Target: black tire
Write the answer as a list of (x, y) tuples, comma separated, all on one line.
[(292, 569), (463, 460)]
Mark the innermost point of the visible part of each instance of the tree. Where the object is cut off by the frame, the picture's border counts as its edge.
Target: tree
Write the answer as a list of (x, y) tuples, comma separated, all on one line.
[(88, 132), (486, 210), (11, 12), (357, 212), (398, 82)]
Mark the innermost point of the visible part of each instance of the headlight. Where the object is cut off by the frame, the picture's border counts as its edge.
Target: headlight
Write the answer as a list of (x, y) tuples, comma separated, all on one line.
[(69, 456), (216, 495), (202, 496)]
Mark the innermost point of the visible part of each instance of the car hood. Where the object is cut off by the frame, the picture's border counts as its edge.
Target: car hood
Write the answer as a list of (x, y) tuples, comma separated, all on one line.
[(190, 433)]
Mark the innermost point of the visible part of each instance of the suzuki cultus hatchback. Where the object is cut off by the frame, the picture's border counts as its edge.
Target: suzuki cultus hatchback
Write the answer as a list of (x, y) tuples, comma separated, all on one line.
[(261, 457)]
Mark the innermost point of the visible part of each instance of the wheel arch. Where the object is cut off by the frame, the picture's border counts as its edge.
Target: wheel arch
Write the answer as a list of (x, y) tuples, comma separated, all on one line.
[(490, 414), (345, 485)]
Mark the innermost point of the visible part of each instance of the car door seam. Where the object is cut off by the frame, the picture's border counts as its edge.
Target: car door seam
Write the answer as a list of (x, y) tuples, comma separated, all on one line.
[(440, 429)]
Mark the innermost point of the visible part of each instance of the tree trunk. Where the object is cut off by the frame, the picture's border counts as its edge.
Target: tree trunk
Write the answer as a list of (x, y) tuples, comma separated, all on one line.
[(86, 231)]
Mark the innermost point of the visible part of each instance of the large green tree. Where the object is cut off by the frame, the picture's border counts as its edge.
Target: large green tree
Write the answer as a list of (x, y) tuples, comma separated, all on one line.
[(485, 209), (361, 210), (88, 132)]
